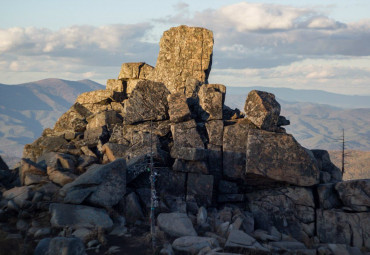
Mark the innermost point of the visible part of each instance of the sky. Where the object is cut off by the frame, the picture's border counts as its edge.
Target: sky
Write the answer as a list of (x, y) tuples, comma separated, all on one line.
[(307, 44)]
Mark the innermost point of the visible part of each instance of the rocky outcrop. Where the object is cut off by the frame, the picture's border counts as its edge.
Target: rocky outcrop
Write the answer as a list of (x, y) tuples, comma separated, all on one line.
[(147, 102), (262, 109), (160, 140), (185, 57), (100, 185), (278, 156)]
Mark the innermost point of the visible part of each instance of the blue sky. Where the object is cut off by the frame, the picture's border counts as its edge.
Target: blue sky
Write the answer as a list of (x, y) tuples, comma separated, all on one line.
[(297, 44)]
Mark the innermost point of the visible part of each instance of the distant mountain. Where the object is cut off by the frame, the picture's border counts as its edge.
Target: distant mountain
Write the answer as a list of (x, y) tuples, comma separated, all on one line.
[(317, 125), (309, 96), (26, 109)]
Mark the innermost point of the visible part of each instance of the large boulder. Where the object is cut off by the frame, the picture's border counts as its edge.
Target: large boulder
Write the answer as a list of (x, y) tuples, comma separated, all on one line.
[(262, 109), (185, 53), (291, 210), (74, 119), (28, 169), (42, 145), (100, 185), (325, 165), (334, 226), (279, 157), (176, 224), (148, 101), (20, 195), (355, 194), (79, 216), (240, 241), (60, 246)]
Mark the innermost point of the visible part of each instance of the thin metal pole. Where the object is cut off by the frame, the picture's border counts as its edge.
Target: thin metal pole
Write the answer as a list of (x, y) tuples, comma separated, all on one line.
[(153, 191), (343, 153)]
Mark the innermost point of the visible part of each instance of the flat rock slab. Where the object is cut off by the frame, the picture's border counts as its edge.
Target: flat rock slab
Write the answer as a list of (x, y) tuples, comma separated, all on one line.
[(279, 157), (193, 244), (241, 241), (176, 224), (148, 101), (185, 52), (79, 216), (100, 185)]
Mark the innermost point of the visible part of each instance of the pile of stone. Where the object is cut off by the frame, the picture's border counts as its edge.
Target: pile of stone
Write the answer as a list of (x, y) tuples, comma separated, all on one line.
[(226, 181)]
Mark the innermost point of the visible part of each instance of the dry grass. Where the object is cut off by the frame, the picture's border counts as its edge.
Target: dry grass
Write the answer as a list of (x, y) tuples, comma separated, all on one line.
[(357, 164)]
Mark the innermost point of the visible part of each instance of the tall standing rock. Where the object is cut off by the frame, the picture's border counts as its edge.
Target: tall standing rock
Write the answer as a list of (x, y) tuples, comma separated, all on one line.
[(185, 54)]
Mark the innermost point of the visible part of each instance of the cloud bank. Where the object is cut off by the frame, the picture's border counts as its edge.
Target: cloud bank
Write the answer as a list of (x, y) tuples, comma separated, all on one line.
[(277, 45)]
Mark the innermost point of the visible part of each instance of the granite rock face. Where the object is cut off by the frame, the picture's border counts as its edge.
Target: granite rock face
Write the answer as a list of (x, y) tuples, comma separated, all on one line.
[(147, 102), (279, 157), (161, 140), (262, 109), (100, 185), (185, 53)]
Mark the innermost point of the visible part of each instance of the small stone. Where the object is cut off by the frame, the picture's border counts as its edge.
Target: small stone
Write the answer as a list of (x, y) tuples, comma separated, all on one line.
[(193, 244), (176, 224)]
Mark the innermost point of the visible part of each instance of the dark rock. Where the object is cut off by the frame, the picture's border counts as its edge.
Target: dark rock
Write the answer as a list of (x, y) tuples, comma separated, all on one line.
[(60, 246), (282, 121), (338, 227), (190, 166), (20, 195), (328, 197), (200, 187), (234, 148), (325, 164), (79, 216), (262, 109), (194, 244), (178, 107), (185, 134), (291, 210), (241, 241), (190, 154), (226, 187), (230, 198), (100, 185), (355, 194), (176, 224), (147, 102), (279, 157), (133, 210)]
